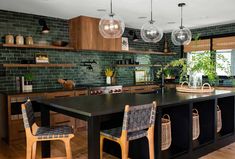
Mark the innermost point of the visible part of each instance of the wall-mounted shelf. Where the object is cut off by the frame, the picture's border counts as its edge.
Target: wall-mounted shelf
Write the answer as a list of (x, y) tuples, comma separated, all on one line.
[(150, 52), (36, 65), (135, 52), (139, 65), (36, 46)]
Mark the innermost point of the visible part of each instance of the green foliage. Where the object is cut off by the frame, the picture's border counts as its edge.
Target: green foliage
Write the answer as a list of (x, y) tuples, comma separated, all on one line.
[(28, 77), (201, 63), (206, 63), (176, 67)]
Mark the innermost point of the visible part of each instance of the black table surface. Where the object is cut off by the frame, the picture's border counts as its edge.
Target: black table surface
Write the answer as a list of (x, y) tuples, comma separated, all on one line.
[(114, 103)]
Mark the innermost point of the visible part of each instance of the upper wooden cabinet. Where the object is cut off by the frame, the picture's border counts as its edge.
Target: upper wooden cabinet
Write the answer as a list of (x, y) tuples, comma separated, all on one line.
[(84, 35)]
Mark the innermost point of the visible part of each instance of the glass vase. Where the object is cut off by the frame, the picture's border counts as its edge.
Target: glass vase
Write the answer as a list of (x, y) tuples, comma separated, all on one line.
[(195, 80), (108, 80)]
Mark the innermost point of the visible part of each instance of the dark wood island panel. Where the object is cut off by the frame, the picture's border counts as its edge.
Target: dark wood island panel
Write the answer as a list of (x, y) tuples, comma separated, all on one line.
[(109, 108)]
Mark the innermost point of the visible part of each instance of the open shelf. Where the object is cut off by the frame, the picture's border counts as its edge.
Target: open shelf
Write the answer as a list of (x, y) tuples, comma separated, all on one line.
[(36, 46), (36, 65), (206, 110), (139, 65), (134, 52), (226, 105), (179, 116)]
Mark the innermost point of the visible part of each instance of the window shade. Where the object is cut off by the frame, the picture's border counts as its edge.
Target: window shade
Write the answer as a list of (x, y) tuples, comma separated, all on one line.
[(199, 45), (224, 43)]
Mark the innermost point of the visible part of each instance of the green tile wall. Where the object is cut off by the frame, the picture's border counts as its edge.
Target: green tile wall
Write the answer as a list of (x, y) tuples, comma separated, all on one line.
[(27, 24)]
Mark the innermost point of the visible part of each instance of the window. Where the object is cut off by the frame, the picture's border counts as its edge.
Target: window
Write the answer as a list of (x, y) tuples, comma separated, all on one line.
[(229, 56), (190, 57)]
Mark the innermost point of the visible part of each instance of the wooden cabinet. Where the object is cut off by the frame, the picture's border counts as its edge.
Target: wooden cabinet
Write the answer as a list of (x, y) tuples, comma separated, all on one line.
[(58, 119), (140, 89), (84, 35)]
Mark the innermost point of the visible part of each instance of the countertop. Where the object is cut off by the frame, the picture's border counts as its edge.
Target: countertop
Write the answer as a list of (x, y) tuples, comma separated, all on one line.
[(114, 103), (41, 91)]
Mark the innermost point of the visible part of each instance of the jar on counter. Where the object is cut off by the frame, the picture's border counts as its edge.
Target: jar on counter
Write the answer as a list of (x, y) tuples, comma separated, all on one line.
[(9, 39), (29, 40), (19, 40)]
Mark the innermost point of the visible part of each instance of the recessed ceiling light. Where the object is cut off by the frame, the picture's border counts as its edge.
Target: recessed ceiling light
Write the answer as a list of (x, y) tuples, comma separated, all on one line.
[(142, 17), (101, 10), (171, 22)]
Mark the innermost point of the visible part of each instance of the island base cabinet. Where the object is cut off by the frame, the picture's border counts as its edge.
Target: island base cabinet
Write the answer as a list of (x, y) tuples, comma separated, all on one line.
[(180, 122), (226, 106), (206, 110)]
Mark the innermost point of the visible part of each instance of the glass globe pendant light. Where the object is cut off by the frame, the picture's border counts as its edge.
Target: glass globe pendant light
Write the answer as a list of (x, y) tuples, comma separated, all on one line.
[(150, 32), (182, 35), (111, 25)]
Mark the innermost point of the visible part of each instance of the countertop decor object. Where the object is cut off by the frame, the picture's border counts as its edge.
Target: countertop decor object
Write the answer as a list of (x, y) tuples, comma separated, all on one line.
[(67, 84), (109, 73), (181, 35), (150, 31), (187, 89), (111, 25)]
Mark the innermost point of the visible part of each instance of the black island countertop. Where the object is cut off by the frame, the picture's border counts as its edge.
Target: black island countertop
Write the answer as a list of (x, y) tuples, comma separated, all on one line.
[(114, 103)]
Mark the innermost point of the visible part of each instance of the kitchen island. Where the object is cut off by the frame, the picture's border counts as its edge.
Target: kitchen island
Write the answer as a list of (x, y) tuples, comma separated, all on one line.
[(103, 109)]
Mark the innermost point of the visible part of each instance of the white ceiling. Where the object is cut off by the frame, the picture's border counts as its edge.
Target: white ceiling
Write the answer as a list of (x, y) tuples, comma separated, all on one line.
[(197, 13)]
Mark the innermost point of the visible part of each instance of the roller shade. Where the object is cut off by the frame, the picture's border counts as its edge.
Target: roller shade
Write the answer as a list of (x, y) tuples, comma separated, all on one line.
[(199, 45), (224, 43)]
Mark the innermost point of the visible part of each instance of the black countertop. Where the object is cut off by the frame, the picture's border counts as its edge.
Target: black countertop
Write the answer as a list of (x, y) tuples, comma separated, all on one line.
[(41, 91), (114, 103)]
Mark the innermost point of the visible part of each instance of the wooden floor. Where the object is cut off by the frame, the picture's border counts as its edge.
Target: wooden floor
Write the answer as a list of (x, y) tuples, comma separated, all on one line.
[(79, 150)]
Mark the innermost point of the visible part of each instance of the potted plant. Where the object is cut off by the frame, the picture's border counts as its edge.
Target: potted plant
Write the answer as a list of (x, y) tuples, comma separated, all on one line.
[(109, 73), (28, 84)]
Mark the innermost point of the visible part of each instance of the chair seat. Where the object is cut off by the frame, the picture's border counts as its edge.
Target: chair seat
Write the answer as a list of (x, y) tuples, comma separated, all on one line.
[(115, 133), (53, 132)]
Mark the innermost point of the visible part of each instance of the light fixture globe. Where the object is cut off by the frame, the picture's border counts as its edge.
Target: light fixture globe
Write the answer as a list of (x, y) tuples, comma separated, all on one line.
[(111, 26), (150, 32), (181, 36)]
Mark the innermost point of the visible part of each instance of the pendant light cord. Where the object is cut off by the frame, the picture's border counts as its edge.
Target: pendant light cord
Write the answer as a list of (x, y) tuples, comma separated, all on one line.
[(111, 7), (151, 11), (181, 25)]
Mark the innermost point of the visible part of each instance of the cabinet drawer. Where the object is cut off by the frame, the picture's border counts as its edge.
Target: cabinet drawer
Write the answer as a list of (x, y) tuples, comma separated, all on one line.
[(81, 93), (60, 94), (139, 89), (17, 130), (60, 119), (126, 90)]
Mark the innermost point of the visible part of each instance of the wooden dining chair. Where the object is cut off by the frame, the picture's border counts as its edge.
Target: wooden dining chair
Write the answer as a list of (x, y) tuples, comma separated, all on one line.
[(35, 133), (138, 122)]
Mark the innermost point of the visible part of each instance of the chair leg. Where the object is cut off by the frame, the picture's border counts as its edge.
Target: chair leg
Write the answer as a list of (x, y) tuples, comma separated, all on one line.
[(101, 146), (29, 146), (68, 148), (34, 151), (125, 148), (151, 146)]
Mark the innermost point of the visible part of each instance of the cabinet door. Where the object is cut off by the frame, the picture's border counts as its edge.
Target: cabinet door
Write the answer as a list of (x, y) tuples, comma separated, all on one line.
[(84, 34), (60, 119)]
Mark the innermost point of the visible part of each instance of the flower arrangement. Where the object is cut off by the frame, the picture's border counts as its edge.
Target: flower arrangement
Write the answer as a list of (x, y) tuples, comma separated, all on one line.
[(109, 72)]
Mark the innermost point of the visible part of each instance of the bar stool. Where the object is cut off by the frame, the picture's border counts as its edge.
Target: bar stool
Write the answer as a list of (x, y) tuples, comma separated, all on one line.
[(138, 122), (35, 133)]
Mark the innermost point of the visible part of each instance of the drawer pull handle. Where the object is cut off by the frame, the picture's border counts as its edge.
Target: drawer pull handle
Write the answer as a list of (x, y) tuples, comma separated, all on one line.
[(62, 122), (140, 89), (21, 131), (62, 96)]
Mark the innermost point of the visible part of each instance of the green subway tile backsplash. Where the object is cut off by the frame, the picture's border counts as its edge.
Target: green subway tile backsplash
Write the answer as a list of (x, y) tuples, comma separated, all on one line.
[(27, 24)]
